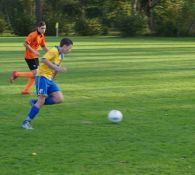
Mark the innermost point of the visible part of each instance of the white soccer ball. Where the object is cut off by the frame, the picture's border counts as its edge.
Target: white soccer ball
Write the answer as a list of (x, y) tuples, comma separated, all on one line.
[(115, 116)]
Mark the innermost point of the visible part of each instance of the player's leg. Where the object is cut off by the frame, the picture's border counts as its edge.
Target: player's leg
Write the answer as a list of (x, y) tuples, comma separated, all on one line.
[(41, 90), (16, 74), (33, 65), (28, 85), (33, 112), (54, 98), (55, 95)]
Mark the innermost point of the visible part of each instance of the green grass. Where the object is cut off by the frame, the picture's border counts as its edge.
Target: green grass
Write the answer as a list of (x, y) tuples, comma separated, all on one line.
[(151, 80)]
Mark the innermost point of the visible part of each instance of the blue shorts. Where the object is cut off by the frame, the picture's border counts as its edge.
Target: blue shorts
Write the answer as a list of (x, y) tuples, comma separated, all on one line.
[(45, 86)]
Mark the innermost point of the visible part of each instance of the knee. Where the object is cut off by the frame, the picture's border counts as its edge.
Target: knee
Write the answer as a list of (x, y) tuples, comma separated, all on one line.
[(34, 72), (39, 103), (60, 99)]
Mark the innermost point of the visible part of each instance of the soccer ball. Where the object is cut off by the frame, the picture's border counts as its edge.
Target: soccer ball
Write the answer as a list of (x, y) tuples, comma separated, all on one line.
[(115, 116)]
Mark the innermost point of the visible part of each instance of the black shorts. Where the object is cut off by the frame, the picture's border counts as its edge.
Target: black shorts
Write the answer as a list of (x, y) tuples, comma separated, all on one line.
[(32, 63)]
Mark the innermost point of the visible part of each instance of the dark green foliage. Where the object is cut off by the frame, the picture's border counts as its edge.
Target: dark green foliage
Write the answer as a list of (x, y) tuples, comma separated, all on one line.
[(164, 18), (88, 27), (186, 20), (81, 27), (113, 9), (71, 10), (174, 19), (19, 15), (166, 28), (131, 25), (94, 27), (94, 12), (2, 25), (23, 25), (50, 22)]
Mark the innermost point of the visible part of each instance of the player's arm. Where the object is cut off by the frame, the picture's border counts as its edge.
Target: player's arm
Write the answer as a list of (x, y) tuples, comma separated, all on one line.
[(54, 75), (52, 66), (44, 48), (31, 49), (43, 45)]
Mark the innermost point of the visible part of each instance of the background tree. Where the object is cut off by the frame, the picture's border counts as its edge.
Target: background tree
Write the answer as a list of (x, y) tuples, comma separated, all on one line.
[(19, 14), (166, 17), (89, 20), (145, 8), (38, 10), (186, 20), (90, 17)]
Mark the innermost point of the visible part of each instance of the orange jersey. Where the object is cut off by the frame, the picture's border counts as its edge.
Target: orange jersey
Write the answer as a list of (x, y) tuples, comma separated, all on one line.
[(34, 39)]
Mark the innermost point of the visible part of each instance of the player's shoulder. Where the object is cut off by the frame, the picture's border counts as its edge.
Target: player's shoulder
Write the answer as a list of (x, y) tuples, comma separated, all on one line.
[(53, 49), (33, 34)]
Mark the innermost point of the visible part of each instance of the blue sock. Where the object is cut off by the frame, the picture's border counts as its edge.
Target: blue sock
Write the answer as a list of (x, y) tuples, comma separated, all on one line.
[(33, 101), (32, 113), (49, 101)]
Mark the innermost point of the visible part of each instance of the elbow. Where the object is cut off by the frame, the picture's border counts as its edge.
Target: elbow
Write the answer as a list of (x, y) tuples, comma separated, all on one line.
[(43, 60)]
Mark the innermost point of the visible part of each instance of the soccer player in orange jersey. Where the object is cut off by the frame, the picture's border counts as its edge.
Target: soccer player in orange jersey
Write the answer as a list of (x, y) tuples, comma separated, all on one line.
[(32, 42)]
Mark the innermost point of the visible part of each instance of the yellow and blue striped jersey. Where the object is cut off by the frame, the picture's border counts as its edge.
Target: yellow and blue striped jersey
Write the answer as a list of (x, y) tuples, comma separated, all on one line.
[(53, 56)]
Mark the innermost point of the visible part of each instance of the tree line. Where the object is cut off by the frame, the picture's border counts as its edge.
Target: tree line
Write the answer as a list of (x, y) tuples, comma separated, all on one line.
[(100, 17)]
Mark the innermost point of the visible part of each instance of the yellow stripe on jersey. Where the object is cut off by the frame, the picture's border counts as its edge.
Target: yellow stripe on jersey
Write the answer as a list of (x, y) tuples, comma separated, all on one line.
[(53, 56)]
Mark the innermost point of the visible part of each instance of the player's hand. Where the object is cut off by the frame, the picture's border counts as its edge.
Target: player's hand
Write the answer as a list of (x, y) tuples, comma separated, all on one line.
[(60, 69), (36, 53)]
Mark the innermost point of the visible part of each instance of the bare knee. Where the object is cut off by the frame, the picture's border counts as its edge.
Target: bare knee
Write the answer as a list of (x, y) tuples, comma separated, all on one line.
[(40, 102), (34, 72), (58, 97)]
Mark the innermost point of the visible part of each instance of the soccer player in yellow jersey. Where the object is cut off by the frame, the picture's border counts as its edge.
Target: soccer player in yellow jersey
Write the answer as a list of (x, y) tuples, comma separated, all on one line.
[(47, 90), (32, 42)]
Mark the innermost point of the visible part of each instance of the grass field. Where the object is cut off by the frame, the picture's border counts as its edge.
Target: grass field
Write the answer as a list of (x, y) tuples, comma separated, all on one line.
[(150, 80)]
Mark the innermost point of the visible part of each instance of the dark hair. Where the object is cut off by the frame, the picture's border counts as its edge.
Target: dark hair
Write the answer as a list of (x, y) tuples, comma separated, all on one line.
[(41, 23), (66, 41)]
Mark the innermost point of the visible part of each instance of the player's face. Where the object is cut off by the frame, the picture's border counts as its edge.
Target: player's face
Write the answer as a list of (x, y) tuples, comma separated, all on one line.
[(42, 29), (66, 49)]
